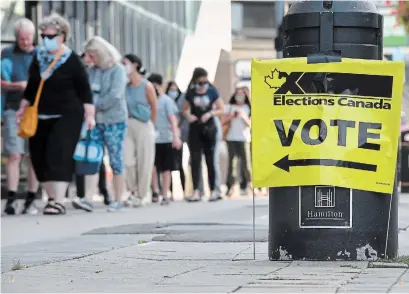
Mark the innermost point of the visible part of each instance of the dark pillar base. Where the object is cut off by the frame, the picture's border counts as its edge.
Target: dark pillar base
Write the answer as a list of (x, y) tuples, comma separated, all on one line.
[(342, 232)]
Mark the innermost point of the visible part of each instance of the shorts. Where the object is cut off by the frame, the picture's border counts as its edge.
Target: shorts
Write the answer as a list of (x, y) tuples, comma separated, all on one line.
[(13, 144), (164, 157), (177, 159)]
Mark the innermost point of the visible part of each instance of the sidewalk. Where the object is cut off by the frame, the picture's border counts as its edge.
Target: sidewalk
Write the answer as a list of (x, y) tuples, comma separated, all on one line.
[(183, 248), (194, 267)]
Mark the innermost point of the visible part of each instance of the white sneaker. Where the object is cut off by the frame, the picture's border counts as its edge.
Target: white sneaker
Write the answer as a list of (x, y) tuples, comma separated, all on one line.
[(215, 196), (195, 197), (165, 201), (244, 192), (32, 210), (115, 206), (135, 201), (83, 204)]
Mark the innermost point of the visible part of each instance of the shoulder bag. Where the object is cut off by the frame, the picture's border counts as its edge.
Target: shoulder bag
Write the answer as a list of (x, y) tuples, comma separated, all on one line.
[(28, 125)]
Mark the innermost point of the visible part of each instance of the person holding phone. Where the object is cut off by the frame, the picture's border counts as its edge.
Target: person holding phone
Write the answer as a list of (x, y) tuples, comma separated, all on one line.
[(238, 113)]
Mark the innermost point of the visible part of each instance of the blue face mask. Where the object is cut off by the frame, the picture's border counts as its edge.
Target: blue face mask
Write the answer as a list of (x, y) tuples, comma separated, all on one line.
[(50, 44), (173, 94)]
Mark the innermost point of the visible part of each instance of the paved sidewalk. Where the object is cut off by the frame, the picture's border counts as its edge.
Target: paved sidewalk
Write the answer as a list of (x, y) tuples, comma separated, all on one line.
[(197, 267), (188, 248)]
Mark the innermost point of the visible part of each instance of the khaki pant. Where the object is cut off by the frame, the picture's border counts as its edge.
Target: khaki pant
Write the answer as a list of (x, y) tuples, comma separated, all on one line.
[(139, 156)]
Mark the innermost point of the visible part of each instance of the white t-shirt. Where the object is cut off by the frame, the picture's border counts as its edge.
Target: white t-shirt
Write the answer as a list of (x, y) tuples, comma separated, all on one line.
[(239, 130)]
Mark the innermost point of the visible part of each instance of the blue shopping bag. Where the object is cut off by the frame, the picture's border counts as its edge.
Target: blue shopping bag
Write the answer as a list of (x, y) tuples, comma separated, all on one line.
[(88, 156)]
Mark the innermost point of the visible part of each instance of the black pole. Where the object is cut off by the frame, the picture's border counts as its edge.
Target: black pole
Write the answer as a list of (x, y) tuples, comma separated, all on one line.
[(367, 230)]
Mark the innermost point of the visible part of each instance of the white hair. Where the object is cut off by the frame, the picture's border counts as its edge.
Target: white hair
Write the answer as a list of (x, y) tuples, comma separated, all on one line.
[(57, 22), (23, 24), (107, 54)]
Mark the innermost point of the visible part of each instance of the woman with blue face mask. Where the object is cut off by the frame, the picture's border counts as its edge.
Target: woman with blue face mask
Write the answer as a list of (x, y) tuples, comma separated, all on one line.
[(65, 102)]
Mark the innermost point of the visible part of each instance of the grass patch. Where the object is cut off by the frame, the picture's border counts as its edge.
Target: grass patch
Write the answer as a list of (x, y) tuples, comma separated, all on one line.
[(349, 265), (18, 266), (400, 261), (403, 259)]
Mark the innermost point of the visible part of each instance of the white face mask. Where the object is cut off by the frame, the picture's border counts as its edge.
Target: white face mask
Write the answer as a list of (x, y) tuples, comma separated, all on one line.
[(128, 68), (240, 99)]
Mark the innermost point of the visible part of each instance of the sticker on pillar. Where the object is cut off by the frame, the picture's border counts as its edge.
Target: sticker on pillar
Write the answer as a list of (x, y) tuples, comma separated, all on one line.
[(320, 207), (334, 124)]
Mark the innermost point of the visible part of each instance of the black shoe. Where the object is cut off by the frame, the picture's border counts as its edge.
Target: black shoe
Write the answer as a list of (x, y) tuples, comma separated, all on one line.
[(107, 197), (155, 197), (9, 210), (229, 192)]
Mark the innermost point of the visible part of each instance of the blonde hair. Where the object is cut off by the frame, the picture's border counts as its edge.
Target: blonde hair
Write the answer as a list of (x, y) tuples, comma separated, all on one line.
[(107, 54), (23, 24), (57, 22)]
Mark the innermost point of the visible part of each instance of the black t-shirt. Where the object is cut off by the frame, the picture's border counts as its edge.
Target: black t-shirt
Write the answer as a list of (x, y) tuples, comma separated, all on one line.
[(66, 90), (202, 103)]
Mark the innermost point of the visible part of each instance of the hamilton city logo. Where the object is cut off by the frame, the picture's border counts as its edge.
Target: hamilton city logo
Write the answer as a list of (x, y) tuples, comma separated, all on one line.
[(275, 80)]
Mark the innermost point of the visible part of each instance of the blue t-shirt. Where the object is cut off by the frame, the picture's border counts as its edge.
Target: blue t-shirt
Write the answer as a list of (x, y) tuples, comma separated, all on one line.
[(165, 107), (14, 68), (201, 103)]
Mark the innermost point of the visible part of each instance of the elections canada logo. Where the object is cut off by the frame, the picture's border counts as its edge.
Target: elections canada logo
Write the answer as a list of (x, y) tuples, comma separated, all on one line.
[(275, 80), (329, 89)]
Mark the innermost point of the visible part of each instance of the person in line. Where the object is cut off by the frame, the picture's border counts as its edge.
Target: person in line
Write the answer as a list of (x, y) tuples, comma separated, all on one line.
[(80, 202), (108, 82), (198, 110), (173, 91), (140, 139), (15, 62), (238, 113), (167, 139), (217, 150), (65, 98)]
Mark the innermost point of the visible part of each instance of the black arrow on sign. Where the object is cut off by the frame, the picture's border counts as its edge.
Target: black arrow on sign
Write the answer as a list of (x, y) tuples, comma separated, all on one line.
[(285, 163)]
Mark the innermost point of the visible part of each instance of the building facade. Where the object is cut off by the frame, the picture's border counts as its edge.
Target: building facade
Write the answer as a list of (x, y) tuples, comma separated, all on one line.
[(153, 30)]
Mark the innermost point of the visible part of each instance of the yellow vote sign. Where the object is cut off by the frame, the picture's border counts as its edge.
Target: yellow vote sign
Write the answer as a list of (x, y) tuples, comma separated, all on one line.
[(326, 124)]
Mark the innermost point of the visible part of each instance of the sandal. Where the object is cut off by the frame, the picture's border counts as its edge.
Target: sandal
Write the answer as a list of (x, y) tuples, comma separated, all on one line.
[(155, 197), (54, 208)]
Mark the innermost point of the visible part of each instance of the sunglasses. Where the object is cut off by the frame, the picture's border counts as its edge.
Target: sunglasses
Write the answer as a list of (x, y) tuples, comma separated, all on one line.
[(49, 36), (202, 83)]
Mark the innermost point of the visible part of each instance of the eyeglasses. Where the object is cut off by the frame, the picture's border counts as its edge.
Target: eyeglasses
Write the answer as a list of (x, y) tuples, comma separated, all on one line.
[(202, 83), (49, 36)]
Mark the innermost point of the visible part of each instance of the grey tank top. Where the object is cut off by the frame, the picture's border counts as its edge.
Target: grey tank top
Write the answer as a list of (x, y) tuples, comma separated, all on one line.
[(136, 96)]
